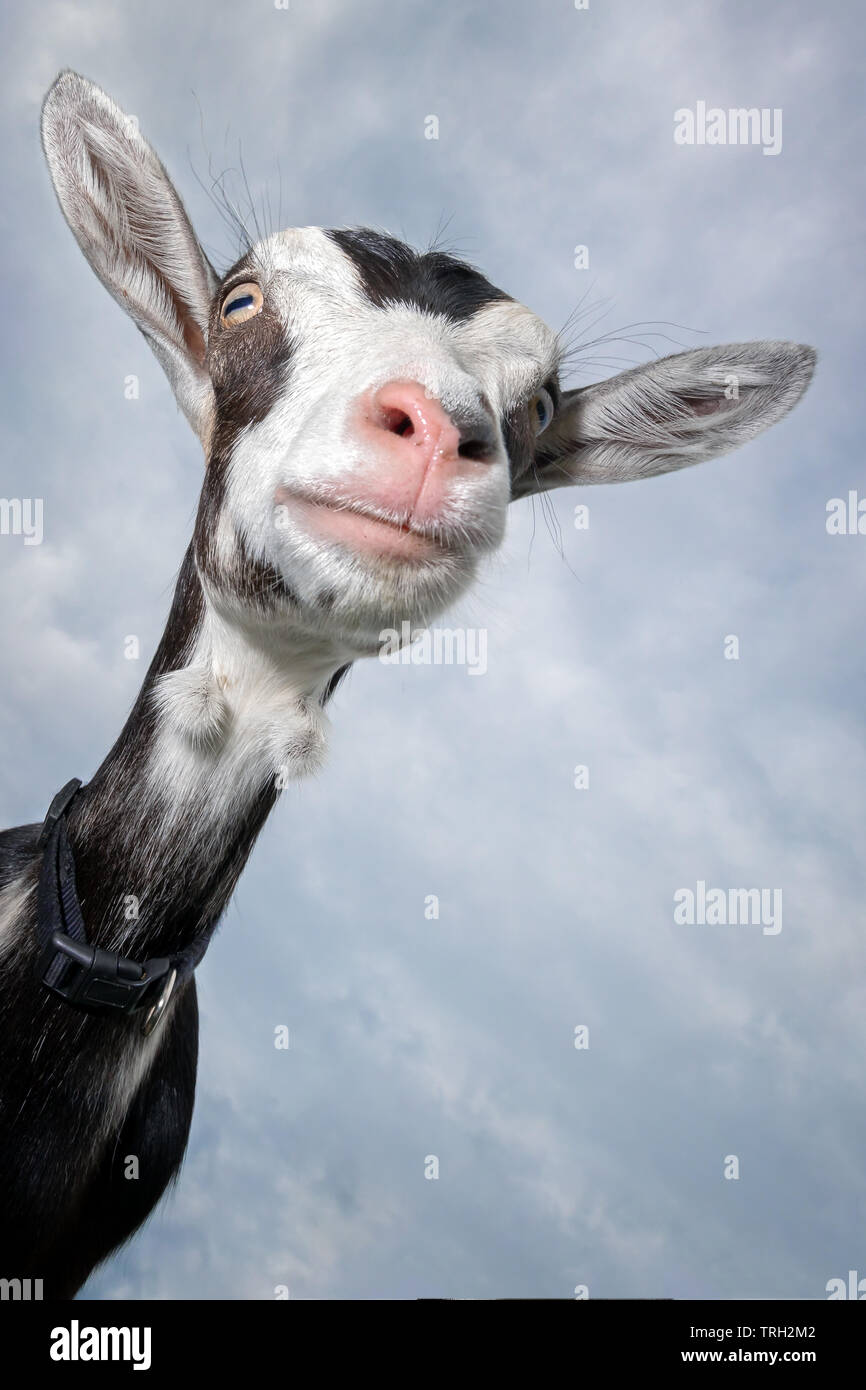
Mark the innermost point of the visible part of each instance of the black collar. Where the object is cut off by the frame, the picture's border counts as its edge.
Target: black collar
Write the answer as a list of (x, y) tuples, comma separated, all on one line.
[(85, 976)]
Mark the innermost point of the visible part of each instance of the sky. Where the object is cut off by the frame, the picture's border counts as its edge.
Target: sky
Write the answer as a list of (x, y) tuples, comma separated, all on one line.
[(604, 1166)]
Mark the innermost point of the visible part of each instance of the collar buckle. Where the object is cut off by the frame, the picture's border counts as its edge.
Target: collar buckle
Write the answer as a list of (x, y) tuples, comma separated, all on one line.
[(100, 981)]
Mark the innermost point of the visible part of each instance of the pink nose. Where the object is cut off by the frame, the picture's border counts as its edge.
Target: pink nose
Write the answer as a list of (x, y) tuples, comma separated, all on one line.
[(417, 448), (418, 420), (406, 409)]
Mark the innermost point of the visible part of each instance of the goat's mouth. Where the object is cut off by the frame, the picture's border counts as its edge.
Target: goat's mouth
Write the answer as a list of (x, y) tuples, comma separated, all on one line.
[(366, 529)]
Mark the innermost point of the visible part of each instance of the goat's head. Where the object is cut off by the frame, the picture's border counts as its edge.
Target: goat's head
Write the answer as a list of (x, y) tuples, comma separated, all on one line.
[(367, 413)]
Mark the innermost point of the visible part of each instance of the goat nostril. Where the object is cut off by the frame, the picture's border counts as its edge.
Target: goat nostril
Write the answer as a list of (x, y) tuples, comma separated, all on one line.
[(464, 430), (396, 421), (481, 450)]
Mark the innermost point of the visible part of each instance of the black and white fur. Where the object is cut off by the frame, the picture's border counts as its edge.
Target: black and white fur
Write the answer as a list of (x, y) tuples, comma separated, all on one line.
[(267, 616)]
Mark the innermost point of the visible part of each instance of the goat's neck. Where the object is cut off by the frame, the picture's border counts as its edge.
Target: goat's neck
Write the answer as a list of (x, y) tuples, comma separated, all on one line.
[(226, 716)]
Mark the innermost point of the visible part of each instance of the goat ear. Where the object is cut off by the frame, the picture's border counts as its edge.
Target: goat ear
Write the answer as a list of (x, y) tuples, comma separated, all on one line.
[(132, 227), (668, 414)]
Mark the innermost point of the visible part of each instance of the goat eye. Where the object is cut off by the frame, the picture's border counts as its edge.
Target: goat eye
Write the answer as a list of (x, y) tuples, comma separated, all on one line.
[(241, 303), (541, 410)]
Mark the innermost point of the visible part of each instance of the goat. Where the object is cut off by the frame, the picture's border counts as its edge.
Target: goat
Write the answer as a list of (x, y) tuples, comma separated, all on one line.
[(367, 413)]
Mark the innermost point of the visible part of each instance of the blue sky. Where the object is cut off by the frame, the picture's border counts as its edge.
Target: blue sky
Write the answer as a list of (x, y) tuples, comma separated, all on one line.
[(412, 1037)]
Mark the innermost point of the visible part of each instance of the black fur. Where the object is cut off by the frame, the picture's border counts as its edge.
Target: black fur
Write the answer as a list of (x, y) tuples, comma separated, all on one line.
[(65, 1201), (392, 273), (57, 1226), (249, 370)]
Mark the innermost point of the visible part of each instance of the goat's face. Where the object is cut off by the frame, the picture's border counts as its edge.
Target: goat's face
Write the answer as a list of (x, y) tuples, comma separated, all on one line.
[(367, 413), (371, 408)]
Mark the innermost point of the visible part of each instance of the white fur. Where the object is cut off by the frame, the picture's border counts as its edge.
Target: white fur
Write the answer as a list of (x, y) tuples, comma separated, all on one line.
[(244, 711), (344, 346)]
